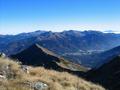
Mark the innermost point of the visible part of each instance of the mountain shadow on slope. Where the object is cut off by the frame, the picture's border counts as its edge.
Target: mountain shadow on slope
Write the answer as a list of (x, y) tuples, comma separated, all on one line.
[(36, 55), (107, 75)]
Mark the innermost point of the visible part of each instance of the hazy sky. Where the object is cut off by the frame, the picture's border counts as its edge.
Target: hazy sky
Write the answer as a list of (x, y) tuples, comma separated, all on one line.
[(57, 15)]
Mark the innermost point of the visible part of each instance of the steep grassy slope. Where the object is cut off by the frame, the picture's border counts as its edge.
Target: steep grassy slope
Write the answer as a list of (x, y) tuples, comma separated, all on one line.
[(20, 80)]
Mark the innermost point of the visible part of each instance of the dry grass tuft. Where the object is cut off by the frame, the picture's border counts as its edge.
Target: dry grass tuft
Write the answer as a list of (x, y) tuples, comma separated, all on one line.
[(55, 80)]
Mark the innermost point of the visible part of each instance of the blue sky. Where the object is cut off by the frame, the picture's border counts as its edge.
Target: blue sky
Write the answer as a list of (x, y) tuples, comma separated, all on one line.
[(57, 15)]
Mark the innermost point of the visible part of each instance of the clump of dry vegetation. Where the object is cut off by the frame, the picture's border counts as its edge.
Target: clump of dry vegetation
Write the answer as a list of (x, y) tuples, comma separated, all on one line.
[(18, 79)]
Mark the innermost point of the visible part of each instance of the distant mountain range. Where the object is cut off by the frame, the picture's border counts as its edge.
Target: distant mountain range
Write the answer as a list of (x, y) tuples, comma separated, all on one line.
[(78, 46), (92, 55)]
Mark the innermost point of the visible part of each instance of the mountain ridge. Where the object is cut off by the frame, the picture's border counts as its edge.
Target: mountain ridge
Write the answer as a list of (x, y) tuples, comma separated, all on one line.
[(36, 55), (74, 43)]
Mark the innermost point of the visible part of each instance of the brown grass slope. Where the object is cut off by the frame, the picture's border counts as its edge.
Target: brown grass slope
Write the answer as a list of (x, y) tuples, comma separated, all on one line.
[(17, 79)]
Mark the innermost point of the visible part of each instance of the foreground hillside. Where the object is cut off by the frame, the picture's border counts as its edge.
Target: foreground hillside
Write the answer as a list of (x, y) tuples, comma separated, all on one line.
[(14, 76)]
